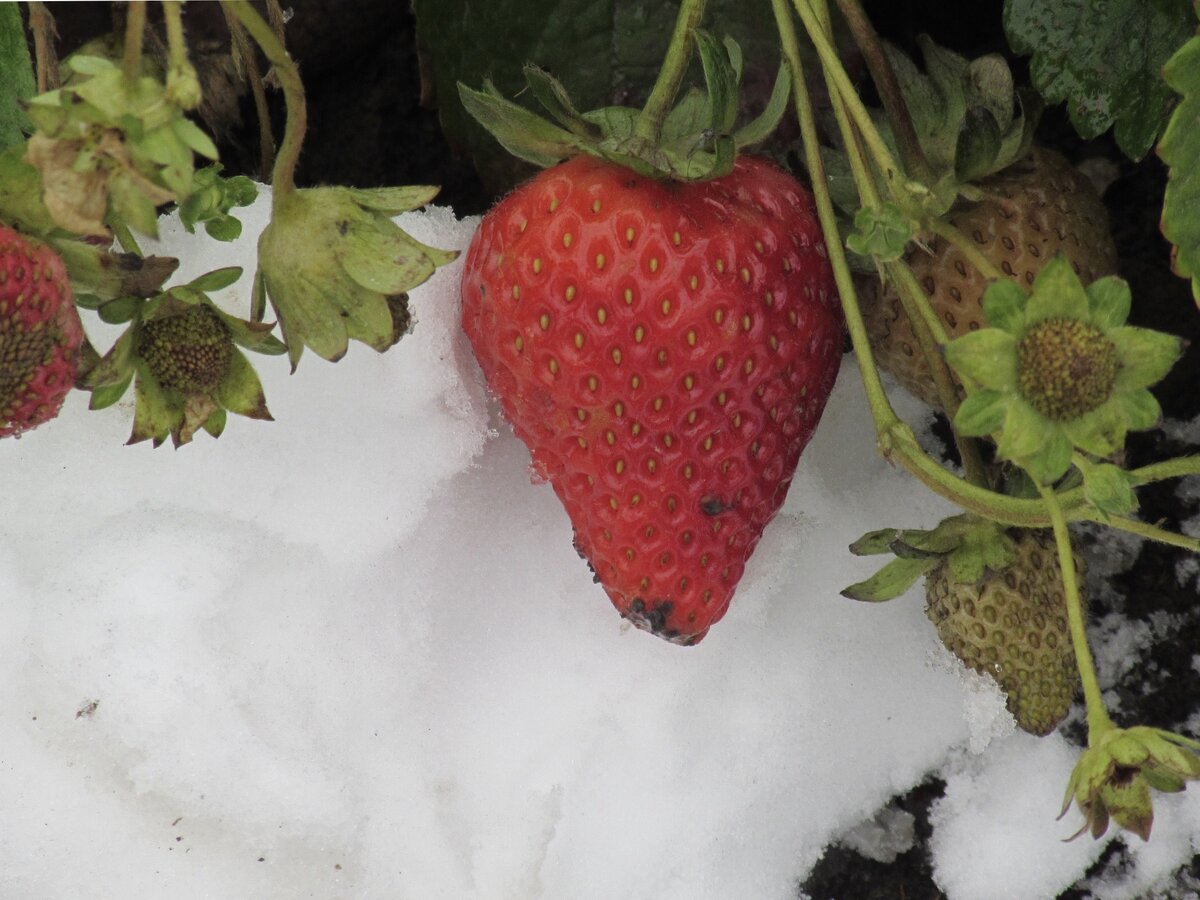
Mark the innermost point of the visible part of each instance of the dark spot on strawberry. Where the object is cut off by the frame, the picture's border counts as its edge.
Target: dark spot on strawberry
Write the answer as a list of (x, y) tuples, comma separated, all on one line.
[(711, 505), (652, 617)]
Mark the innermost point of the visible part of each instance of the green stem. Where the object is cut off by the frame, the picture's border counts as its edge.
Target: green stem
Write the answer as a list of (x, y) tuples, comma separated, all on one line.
[(839, 81), (176, 46), (283, 176), (243, 48), (1179, 467), (888, 86), (135, 27), (1146, 530), (966, 247), (881, 410), (41, 24), (1097, 715), (125, 238), (670, 75)]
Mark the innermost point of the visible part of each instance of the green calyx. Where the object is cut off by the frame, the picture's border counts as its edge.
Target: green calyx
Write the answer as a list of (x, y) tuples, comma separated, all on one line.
[(1059, 372), (336, 268), (111, 148), (970, 120), (967, 544), (695, 141), (183, 354), (1115, 775)]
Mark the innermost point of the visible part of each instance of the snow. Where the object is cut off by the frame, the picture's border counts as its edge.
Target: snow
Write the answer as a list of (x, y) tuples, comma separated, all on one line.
[(353, 654)]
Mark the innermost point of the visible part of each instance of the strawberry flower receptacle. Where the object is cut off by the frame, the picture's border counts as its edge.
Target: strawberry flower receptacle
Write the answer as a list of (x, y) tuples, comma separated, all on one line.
[(1059, 370)]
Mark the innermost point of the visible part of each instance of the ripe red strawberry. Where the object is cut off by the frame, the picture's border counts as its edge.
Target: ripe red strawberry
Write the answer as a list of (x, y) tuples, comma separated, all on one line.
[(665, 350), (40, 333)]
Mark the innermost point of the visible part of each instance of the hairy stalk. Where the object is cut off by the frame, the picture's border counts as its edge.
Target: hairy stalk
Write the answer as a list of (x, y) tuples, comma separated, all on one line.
[(881, 409), (1179, 467), (125, 238), (1146, 530), (670, 75), (135, 27), (884, 77), (283, 176), (245, 52), (41, 24), (839, 81), (1097, 715), (929, 331), (932, 337), (176, 45)]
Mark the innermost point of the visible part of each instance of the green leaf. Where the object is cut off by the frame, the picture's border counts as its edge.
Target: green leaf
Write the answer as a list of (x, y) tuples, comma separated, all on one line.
[(1146, 356), (875, 542), (763, 126), (1142, 410), (1180, 149), (193, 138), (1023, 434), (1057, 294), (216, 280), (721, 81), (1108, 488), (522, 133), (16, 77), (554, 98), (389, 200), (223, 228), (240, 391), (1110, 300), (116, 312), (156, 411), (981, 414), (603, 51), (987, 356), (1051, 462), (1103, 57), (891, 581), (106, 395), (1004, 305), (978, 144), (883, 233)]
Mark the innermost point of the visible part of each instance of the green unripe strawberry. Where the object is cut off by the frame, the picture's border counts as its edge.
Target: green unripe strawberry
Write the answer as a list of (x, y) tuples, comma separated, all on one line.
[(1029, 214), (1012, 625)]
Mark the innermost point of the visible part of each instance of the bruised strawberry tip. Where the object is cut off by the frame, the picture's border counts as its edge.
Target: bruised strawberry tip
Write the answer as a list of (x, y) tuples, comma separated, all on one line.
[(655, 617)]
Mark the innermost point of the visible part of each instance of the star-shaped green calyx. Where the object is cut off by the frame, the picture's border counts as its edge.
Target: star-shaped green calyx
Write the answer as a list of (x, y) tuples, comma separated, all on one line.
[(697, 139), (1114, 777), (183, 355), (1059, 371), (336, 267)]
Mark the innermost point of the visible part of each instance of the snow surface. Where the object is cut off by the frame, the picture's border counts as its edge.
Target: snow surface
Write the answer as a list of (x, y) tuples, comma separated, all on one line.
[(352, 654)]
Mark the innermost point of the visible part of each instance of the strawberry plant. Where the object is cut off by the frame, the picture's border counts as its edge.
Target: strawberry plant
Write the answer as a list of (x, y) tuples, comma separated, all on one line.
[(661, 311)]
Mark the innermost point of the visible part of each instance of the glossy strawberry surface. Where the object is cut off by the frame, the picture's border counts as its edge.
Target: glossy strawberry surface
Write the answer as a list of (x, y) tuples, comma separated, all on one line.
[(665, 350)]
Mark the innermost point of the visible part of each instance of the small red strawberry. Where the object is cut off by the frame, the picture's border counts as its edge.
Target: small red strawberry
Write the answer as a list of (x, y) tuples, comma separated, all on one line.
[(665, 350), (40, 333)]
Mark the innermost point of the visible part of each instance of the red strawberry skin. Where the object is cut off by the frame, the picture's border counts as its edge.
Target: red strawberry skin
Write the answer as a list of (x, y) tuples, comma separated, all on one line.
[(40, 333), (665, 350)]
